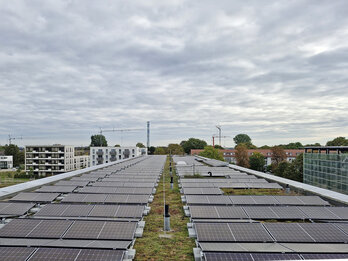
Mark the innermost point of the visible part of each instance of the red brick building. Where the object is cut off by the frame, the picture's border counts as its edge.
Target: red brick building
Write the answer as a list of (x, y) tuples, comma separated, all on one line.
[(229, 154)]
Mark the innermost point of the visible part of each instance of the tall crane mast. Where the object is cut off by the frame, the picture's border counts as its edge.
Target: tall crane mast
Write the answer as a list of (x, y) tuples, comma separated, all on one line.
[(10, 138), (116, 130), (220, 137)]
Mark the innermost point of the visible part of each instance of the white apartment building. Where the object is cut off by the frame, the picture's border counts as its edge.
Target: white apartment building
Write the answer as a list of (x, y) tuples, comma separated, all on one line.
[(6, 162), (81, 162), (46, 160), (101, 155)]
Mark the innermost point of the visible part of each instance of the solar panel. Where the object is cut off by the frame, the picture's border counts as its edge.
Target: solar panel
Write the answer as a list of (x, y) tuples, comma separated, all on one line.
[(19, 227), (324, 232), (79, 183), (341, 212), (242, 200), (213, 232), (127, 199), (274, 256), (343, 226), (100, 255), (35, 197), (60, 189), (15, 253), (104, 211), (218, 200), (289, 200), (288, 212), (202, 191), (101, 230), (128, 211), (290, 232), (324, 256), (265, 200), (35, 228), (85, 198), (118, 230), (61, 254), (84, 230), (257, 212), (197, 185), (249, 232), (50, 229), (14, 209), (221, 256), (63, 210), (313, 200), (230, 212), (203, 212), (318, 213)]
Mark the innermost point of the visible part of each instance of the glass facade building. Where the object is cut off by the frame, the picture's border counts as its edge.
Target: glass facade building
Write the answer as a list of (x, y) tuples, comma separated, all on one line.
[(327, 168)]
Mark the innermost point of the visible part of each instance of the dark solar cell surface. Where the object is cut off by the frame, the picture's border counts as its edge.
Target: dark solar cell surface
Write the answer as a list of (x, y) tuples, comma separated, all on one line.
[(212, 256), (202, 191), (59, 254), (291, 232), (318, 213), (260, 212), (100, 255), (242, 200), (249, 232), (15, 253), (324, 256), (343, 227), (288, 212), (341, 212), (213, 232), (325, 233), (79, 183), (35, 228), (221, 256), (14, 208), (101, 230), (63, 210), (60, 189), (35, 197)]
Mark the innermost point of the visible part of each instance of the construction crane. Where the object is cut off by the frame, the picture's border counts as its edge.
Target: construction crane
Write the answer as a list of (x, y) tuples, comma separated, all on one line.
[(116, 130), (220, 137), (10, 138)]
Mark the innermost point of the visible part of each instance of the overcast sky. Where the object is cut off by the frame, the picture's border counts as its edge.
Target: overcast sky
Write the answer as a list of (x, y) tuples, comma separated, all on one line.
[(276, 70)]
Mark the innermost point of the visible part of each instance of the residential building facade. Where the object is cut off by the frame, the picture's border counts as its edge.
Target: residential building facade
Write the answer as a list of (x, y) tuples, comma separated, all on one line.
[(326, 167), (6, 162), (46, 160), (101, 155), (230, 154), (81, 162)]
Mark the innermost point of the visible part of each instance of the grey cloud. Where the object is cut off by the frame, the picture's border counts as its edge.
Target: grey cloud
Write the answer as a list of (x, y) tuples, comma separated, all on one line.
[(275, 70)]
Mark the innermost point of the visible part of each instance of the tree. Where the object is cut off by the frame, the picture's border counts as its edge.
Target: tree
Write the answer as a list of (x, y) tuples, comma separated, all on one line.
[(193, 143), (242, 157), (265, 147), (218, 147), (13, 150), (315, 145), (117, 145), (295, 170), (257, 161), (212, 153), (152, 150), (278, 155), (339, 141), (279, 170), (140, 145), (160, 151), (175, 149), (292, 145), (242, 138), (98, 141)]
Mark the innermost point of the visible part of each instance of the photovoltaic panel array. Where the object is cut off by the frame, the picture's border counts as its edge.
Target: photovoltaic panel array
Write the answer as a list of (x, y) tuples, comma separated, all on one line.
[(61, 254), (114, 211), (221, 256), (269, 232), (106, 198), (58, 189), (79, 183), (35, 228), (123, 184), (111, 190), (35, 197), (14, 209), (202, 191)]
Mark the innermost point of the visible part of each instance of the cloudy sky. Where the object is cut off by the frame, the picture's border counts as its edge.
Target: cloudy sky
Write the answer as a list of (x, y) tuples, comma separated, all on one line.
[(276, 70)]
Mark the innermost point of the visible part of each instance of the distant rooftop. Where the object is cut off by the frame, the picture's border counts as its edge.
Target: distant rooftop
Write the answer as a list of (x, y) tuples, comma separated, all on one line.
[(327, 149)]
